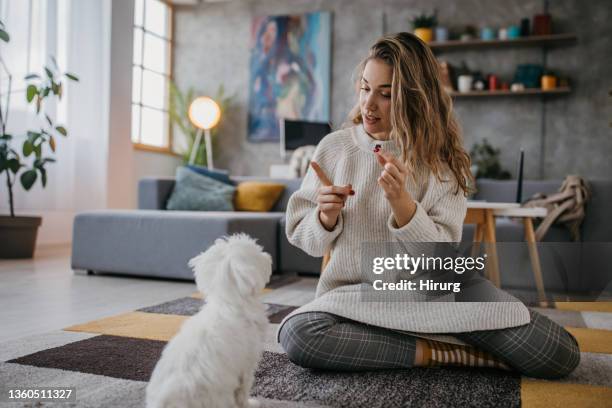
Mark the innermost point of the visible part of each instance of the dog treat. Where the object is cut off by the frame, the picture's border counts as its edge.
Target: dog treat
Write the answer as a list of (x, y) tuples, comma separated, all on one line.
[(352, 192), (377, 148)]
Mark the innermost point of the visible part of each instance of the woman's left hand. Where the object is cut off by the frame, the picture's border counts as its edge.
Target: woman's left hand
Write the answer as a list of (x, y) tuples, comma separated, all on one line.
[(393, 182), (393, 177)]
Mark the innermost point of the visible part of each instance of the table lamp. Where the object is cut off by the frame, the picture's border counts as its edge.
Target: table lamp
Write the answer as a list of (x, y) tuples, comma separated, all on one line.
[(204, 113)]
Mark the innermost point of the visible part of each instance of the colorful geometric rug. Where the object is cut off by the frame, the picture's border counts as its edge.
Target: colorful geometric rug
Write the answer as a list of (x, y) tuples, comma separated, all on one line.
[(110, 360)]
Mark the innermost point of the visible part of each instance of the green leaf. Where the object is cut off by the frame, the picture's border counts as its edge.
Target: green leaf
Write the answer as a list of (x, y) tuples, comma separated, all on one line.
[(31, 92), (28, 148), (54, 61), (38, 103), (48, 120), (43, 176), (6, 137), (72, 76), (4, 36), (38, 150), (46, 91), (62, 130), (55, 88), (14, 165), (33, 136), (49, 73), (52, 143), (31, 76), (28, 178)]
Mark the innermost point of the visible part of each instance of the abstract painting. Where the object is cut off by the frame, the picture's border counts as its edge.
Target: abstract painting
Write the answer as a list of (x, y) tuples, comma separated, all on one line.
[(289, 72)]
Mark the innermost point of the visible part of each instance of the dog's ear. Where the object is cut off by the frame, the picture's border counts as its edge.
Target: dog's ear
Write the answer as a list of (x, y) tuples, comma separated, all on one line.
[(249, 278), (205, 268)]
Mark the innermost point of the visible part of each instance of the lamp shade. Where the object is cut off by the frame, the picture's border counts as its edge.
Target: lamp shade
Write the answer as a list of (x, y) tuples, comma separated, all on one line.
[(204, 112)]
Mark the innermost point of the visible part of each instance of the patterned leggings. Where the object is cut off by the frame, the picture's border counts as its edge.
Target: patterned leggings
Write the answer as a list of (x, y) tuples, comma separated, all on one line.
[(541, 348)]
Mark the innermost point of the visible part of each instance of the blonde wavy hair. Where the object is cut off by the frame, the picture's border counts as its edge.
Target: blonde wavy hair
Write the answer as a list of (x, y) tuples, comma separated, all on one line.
[(423, 124)]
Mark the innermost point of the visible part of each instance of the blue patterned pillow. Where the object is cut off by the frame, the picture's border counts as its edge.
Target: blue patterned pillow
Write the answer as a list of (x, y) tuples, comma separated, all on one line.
[(195, 192), (217, 174)]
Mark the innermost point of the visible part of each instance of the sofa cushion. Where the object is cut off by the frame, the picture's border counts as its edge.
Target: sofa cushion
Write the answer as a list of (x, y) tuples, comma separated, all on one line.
[(217, 174), (195, 192), (291, 186), (257, 196)]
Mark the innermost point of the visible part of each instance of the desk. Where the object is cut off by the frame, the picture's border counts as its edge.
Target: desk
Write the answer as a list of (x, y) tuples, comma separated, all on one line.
[(527, 215), (483, 214)]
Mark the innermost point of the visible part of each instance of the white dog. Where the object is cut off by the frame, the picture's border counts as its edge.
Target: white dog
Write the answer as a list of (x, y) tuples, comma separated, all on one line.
[(210, 363)]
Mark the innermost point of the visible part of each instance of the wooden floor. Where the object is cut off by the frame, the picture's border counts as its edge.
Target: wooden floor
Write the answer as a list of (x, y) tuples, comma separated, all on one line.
[(43, 294)]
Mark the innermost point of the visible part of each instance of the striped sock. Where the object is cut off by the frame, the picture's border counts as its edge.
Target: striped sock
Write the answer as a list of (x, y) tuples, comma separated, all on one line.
[(437, 353)]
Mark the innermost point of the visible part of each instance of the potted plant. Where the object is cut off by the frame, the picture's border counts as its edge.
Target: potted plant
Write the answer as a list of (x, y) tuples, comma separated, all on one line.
[(18, 234), (423, 26), (178, 110), (485, 160)]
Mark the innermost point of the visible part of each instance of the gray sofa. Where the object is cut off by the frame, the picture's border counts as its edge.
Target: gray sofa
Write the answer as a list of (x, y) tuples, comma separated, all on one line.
[(154, 242)]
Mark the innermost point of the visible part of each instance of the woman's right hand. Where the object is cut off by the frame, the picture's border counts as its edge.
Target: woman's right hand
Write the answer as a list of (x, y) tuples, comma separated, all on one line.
[(330, 198)]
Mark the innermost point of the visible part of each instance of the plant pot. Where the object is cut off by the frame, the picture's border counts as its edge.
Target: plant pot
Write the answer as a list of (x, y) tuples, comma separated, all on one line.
[(425, 34), (18, 236)]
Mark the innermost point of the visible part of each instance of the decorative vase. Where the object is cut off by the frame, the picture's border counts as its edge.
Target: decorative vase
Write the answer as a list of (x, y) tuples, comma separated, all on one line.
[(487, 34), (492, 82), (542, 24), (548, 82), (525, 27), (18, 236), (441, 34), (425, 34), (464, 83), (514, 32)]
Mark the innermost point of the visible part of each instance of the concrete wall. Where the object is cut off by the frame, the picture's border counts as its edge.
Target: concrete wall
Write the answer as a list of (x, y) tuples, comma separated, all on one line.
[(212, 47)]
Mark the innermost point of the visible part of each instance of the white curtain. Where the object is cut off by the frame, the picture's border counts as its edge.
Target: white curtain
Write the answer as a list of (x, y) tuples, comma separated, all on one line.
[(77, 33)]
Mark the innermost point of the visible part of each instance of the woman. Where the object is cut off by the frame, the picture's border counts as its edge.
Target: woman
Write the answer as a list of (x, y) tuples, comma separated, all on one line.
[(401, 175)]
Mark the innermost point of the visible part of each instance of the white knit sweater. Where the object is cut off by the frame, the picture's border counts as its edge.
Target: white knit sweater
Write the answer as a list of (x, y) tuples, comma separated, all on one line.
[(347, 157)]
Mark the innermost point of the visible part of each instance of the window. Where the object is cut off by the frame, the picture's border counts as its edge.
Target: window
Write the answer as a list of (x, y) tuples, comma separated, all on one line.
[(26, 53), (151, 74)]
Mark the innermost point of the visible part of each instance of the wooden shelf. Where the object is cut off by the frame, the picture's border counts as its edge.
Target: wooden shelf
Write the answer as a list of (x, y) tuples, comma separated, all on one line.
[(528, 91), (531, 41)]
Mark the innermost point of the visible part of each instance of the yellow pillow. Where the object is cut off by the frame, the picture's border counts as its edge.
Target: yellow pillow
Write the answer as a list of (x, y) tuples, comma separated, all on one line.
[(257, 195)]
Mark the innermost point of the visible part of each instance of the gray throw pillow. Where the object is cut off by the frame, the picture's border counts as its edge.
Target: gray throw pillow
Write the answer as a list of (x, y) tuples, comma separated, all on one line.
[(196, 192)]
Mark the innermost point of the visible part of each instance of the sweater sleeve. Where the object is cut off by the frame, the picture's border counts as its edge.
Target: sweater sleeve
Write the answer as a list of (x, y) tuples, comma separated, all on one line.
[(438, 218), (303, 226)]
